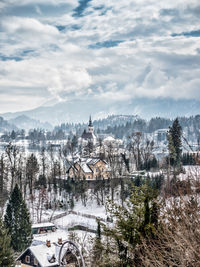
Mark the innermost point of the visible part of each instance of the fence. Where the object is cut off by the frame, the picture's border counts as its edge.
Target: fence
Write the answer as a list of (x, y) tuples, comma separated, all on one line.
[(63, 214)]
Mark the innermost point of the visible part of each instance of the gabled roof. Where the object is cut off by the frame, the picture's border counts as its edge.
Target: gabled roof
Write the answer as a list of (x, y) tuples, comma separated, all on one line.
[(43, 253), (85, 167), (92, 161), (85, 164), (73, 167)]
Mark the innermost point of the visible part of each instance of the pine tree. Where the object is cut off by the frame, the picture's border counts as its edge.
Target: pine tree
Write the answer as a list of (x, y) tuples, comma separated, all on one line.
[(17, 221), (137, 220), (174, 143), (97, 247), (6, 252), (98, 230)]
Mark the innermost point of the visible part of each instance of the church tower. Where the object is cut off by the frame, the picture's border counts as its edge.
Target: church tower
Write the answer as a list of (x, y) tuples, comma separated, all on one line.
[(88, 135), (90, 126)]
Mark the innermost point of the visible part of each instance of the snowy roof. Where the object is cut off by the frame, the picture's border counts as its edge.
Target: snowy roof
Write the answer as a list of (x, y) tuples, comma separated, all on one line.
[(85, 164), (52, 236), (92, 161), (109, 138), (85, 167), (47, 224), (44, 253)]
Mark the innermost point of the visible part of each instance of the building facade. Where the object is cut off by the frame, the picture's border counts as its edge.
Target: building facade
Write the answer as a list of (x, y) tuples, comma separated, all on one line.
[(89, 169)]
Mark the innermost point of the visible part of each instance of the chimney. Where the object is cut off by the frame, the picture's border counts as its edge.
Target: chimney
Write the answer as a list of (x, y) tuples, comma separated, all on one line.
[(48, 243), (59, 241)]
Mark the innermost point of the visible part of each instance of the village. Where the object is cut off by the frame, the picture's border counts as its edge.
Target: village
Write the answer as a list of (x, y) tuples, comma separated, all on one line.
[(68, 197)]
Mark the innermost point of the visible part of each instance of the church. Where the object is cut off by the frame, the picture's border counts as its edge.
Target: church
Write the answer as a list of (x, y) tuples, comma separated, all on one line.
[(88, 135)]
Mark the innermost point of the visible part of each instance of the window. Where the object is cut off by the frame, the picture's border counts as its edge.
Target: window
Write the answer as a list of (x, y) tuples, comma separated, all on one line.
[(35, 262), (27, 259), (88, 177)]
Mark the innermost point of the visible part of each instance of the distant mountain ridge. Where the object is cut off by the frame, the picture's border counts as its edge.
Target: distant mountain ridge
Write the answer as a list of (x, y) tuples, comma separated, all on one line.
[(75, 111), (5, 126), (27, 123)]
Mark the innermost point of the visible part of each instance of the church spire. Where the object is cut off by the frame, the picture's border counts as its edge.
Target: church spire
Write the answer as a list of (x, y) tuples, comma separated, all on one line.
[(90, 126), (90, 122)]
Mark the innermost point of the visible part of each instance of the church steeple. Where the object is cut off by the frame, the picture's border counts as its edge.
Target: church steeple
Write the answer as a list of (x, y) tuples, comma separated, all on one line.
[(90, 122), (90, 126)]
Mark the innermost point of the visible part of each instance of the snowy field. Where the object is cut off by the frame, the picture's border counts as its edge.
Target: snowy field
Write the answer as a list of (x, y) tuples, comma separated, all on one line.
[(71, 220), (92, 208), (191, 172), (64, 234)]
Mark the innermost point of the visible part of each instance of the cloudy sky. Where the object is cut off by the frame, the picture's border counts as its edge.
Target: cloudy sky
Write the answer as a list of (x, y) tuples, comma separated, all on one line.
[(113, 50)]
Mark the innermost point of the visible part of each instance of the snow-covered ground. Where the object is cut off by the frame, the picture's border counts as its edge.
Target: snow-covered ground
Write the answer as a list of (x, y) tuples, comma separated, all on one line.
[(191, 172), (54, 236), (91, 208), (73, 220)]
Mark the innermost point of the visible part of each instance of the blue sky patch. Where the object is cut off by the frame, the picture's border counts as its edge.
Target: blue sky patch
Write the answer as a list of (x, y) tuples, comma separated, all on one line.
[(99, 7), (27, 51), (169, 12), (189, 34), (75, 27), (61, 37), (36, 10), (6, 58), (79, 10), (107, 44), (60, 28)]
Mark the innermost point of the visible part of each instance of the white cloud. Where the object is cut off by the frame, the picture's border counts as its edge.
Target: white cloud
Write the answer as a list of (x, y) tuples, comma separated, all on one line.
[(149, 62), (8, 3), (27, 27), (68, 80)]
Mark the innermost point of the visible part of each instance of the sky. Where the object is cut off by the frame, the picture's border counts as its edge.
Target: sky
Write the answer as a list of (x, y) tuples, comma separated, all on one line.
[(113, 50)]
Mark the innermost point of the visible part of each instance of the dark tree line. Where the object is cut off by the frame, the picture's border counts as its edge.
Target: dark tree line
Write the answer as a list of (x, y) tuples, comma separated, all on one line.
[(189, 158)]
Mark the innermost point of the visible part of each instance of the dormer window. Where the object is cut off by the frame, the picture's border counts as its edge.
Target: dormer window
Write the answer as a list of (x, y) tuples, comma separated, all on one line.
[(27, 259)]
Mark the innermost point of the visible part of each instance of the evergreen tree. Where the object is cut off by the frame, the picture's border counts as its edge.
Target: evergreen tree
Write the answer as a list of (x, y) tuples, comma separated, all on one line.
[(174, 143), (133, 223), (6, 252), (17, 221), (98, 230), (97, 247)]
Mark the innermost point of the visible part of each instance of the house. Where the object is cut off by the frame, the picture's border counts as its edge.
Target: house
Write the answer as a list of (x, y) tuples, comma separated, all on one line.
[(41, 228), (43, 255), (89, 168), (46, 255)]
